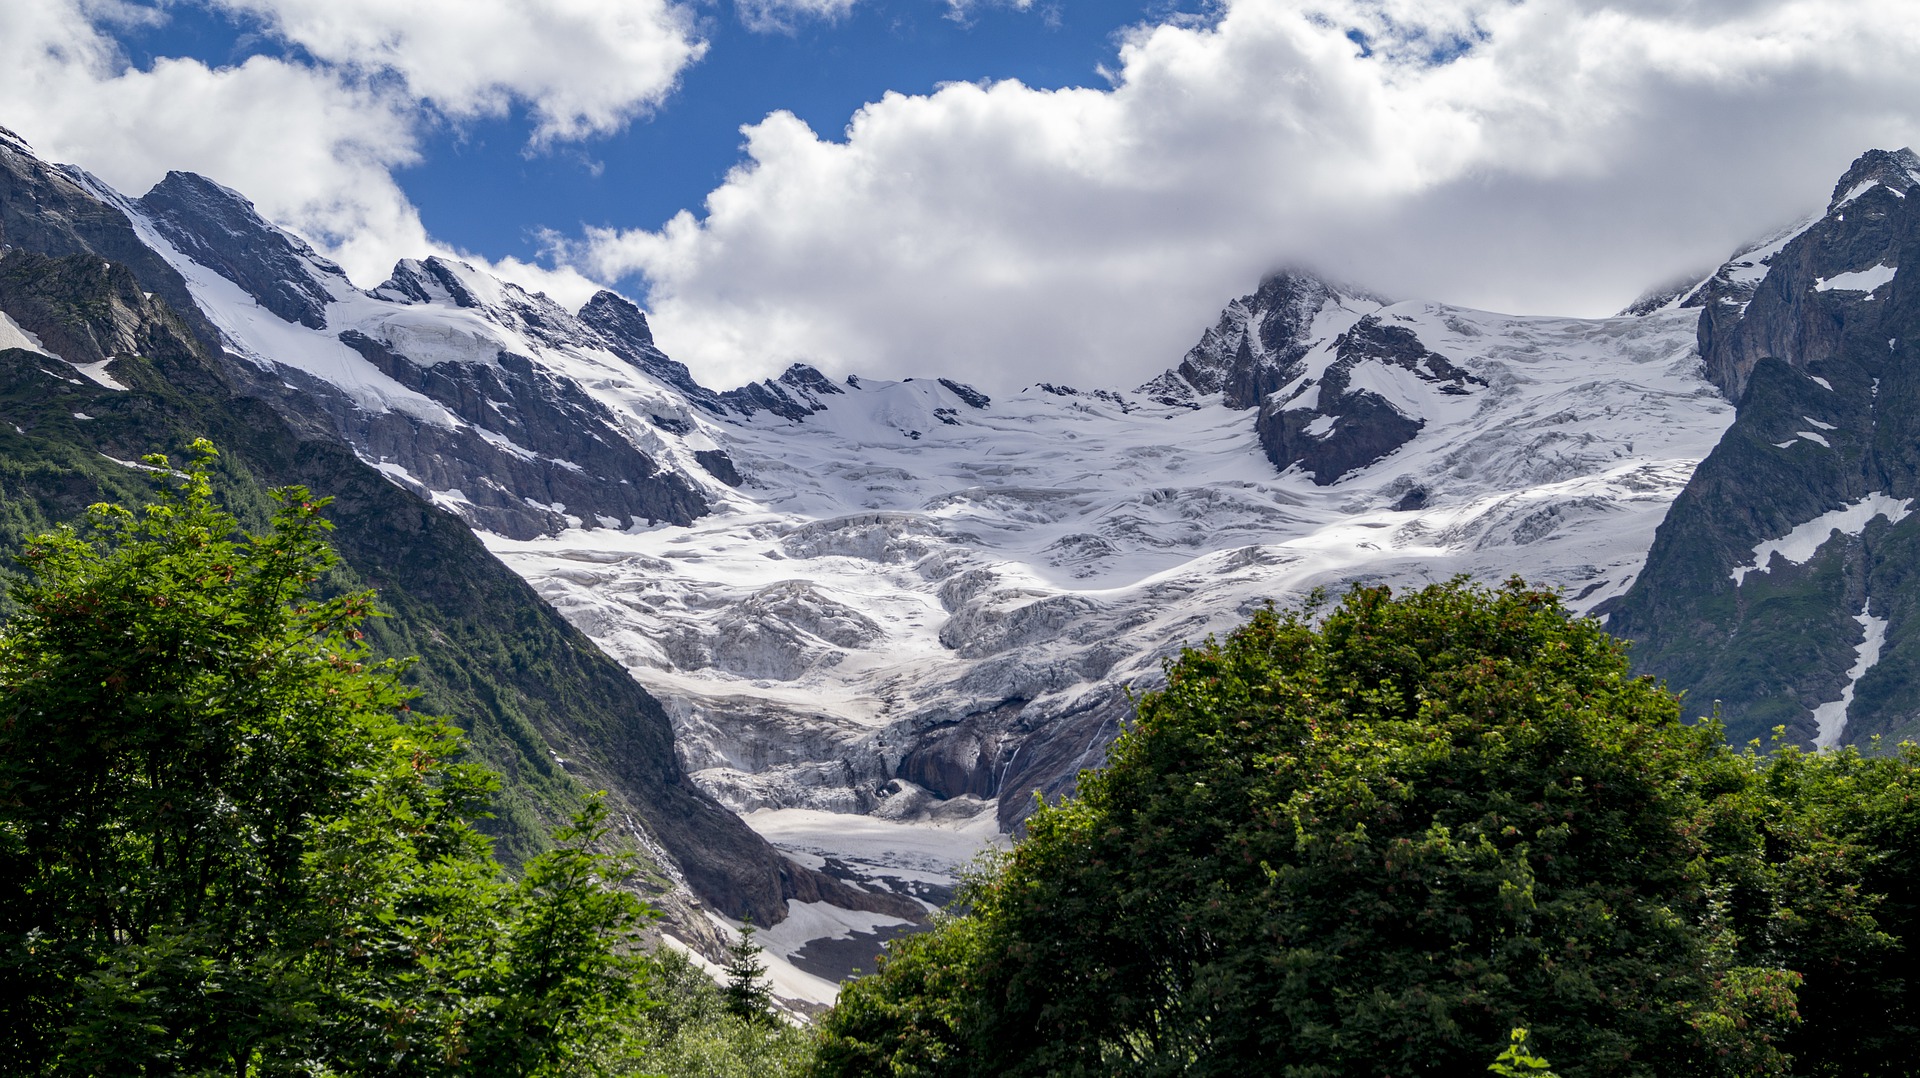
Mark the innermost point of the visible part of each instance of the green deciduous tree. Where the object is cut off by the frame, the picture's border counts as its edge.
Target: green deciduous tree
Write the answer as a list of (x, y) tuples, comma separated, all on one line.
[(227, 846), (1375, 842)]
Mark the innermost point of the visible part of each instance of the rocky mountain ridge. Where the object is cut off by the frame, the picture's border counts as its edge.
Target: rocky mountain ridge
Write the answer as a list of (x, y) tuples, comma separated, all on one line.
[(1780, 584)]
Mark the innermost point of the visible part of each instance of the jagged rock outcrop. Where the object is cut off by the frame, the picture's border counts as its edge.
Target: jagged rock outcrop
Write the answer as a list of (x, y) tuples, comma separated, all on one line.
[(558, 455), (513, 447), (1309, 356), (1340, 427), (52, 211), (795, 395), (1258, 343), (1769, 309), (622, 325), (220, 229)]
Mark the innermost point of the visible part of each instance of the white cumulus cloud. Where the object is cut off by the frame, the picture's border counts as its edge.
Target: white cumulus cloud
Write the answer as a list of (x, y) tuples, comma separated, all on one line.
[(314, 141), (583, 67), (1553, 155), (315, 152)]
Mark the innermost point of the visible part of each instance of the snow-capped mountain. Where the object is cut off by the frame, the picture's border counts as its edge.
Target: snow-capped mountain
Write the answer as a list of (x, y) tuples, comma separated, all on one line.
[(929, 585), (911, 600), (883, 615)]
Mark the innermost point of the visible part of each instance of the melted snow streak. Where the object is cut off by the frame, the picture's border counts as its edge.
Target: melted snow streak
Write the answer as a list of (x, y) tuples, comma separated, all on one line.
[(1800, 544), (1832, 716)]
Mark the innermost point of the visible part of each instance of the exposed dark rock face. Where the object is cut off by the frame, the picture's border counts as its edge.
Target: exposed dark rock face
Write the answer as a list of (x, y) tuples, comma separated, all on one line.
[(795, 395), (1782, 315), (219, 229), (426, 281), (719, 465), (1824, 365), (86, 310), (571, 453), (972, 397), (623, 326), (54, 212), (1347, 428), (1011, 752), (1257, 345)]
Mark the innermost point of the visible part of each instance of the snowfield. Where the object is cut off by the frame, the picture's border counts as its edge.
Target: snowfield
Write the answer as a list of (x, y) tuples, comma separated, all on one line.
[(902, 558)]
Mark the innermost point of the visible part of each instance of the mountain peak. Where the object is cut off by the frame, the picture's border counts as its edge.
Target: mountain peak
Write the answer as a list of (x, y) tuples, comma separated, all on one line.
[(219, 228), (1257, 341), (429, 280), (1897, 169), (615, 314)]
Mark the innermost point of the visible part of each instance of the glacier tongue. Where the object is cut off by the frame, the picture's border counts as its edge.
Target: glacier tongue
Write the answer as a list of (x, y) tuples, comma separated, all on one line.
[(913, 606)]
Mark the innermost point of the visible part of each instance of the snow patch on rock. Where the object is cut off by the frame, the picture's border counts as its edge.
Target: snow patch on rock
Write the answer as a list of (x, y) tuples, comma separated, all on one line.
[(1798, 546)]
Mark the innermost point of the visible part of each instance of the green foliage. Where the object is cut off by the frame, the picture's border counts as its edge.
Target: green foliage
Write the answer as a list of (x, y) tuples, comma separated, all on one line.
[(1375, 845), (1843, 835), (511, 675), (1516, 1062), (916, 1015), (227, 845), (693, 1032)]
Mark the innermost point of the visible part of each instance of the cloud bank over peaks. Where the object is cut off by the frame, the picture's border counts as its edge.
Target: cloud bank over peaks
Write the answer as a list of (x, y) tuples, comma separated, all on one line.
[(1549, 156)]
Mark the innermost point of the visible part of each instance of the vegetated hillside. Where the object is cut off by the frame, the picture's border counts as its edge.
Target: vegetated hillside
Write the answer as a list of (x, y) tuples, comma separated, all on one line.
[(101, 368), (1782, 582)]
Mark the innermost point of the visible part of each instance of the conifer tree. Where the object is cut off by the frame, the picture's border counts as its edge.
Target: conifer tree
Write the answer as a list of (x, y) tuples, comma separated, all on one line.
[(747, 993)]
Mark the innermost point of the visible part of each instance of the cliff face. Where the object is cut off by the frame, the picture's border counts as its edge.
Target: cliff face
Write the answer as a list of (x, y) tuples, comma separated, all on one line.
[(1260, 341), (1782, 584)]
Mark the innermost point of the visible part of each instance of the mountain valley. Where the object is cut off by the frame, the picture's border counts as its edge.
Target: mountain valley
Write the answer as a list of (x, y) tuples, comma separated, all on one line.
[(875, 619)]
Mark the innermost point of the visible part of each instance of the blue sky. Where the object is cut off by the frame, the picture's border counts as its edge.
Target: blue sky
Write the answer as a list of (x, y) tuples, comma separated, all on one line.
[(481, 188), (1068, 191)]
